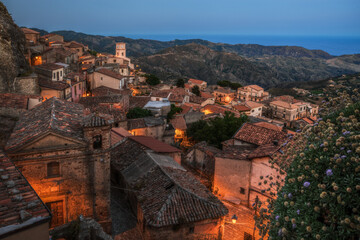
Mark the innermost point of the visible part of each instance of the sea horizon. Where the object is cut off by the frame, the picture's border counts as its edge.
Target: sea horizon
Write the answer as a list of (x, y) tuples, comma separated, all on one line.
[(334, 45)]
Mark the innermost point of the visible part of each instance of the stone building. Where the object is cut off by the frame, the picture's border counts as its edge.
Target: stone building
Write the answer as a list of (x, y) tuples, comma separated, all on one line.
[(107, 78), (195, 82), (31, 35), (64, 154), (294, 110), (253, 93), (168, 202), (23, 215)]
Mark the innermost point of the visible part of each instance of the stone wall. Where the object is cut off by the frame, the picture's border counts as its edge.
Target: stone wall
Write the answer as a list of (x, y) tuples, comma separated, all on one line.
[(27, 85)]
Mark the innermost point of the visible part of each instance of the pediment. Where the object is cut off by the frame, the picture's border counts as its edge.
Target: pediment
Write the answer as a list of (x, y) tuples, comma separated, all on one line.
[(53, 141)]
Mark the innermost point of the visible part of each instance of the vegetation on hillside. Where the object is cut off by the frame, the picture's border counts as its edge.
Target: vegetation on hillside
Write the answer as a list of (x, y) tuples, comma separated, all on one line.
[(217, 130), (320, 196), (180, 83), (152, 80)]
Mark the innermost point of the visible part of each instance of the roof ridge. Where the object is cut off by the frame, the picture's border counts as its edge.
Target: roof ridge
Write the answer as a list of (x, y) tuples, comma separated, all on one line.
[(52, 113)]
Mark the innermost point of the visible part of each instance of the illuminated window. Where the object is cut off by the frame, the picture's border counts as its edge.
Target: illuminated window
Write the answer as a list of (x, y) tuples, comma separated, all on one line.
[(53, 169)]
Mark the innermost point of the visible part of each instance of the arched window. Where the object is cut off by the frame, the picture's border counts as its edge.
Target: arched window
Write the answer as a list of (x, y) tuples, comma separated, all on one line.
[(97, 144), (53, 169)]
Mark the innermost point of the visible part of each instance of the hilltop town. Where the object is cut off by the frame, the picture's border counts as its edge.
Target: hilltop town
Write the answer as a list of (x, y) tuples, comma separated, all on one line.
[(94, 147)]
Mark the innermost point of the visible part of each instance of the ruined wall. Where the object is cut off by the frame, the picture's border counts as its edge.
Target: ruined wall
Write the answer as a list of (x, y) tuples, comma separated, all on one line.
[(12, 49)]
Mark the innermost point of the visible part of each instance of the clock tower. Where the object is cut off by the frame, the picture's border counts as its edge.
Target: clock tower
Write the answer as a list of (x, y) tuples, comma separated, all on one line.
[(121, 50)]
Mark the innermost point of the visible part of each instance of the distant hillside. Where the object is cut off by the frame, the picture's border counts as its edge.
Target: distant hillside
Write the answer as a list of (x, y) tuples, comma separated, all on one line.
[(278, 63), (197, 61), (141, 47)]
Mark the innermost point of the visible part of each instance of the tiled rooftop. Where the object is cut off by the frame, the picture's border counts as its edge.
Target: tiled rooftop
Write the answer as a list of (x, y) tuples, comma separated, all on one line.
[(110, 73), (196, 81), (167, 193), (53, 115), (258, 135), (20, 206), (49, 66), (154, 144)]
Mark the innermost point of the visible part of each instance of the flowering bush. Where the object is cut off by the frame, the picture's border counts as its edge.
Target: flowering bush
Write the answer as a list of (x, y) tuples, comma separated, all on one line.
[(320, 196)]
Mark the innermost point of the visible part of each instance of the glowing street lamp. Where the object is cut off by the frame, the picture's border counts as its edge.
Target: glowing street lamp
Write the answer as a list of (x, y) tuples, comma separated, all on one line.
[(234, 218)]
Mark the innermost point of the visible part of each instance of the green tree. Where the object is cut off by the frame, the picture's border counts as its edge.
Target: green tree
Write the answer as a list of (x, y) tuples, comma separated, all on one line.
[(217, 130), (180, 83), (173, 111), (196, 90), (232, 85), (152, 80), (138, 112)]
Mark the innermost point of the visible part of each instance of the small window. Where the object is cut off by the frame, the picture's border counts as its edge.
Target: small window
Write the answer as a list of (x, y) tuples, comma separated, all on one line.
[(101, 78), (252, 110), (114, 60), (191, 230), (97, 142), (53, 169), (61, 74), (259, 109), (242, 190), (54, 75)]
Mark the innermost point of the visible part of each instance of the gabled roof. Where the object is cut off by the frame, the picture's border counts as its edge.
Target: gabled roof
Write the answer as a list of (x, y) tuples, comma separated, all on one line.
[(178, 122), (49, 66), (29, 31), (110, 73), (241, 108), (21, 207), (140, 101), (258, 135), (284, 104), (56, 85), (197, 99), (166, 192), (118, 134), (144, 122), (196, 81), (103, 91), (255, 87), (54, 115), (160, 93), (266, 150), (252, 104), (154, 144), (206, 95)]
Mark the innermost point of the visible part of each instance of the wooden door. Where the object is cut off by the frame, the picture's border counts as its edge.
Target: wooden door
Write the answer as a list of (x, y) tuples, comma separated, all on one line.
[(57, 210)]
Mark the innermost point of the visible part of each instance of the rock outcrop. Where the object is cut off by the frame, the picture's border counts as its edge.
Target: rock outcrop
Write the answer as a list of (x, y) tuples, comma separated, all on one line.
[(12, 48)]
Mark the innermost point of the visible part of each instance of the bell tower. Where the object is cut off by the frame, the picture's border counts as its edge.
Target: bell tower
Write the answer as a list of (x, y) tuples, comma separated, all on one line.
[(121, 50)]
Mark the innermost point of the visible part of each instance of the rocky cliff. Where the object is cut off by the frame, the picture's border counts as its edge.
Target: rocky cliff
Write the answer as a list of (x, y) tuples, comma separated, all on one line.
[(12, 48)]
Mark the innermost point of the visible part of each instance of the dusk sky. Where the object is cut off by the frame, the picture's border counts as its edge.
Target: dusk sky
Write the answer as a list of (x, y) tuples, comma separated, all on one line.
[(120, 17)]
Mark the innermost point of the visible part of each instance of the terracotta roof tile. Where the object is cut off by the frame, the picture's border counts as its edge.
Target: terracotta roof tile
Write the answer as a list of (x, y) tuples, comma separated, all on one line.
[(252, 104), (20, 205), (14, 100), (53, 115), (49, 66), (178, 122), (154, 144), (241, 108), (160, 93), (215, 109), (206, 95), (104, 91), (29, 31), (196, 81), (110, 73), (179, 198), (56, 85), (284, 104), (138, 101), (258, 135)]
